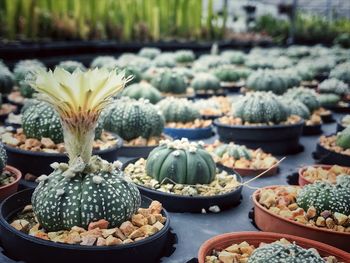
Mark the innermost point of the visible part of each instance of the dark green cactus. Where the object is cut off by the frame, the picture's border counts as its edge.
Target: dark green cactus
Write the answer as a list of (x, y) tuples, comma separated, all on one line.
[(267, 80), (131, 119), (305, 95), (181, 162), (149, 52), (3, 157), (235, 57), (341, 72), (104, 61), (260, 107), (169, 81), (233, 150), (296, 107), (7, 80), (184, 56), (328, 99), (229, 73), (178, 110), (343, 138), (70, 65), (205, 81), (334, 86), (165, 60), (143, 90)]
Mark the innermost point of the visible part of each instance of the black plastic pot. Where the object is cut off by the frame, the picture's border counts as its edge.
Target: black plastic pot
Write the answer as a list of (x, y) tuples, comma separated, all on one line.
[(135, 151), (312, 129), (205, 95), (327, 118), (21, 246), (277, 139), (38, 163), (340, 127), (325, 156), (191, 134), (231, 87), (210, 117), (192, 204), (321, 76), (339, 109)]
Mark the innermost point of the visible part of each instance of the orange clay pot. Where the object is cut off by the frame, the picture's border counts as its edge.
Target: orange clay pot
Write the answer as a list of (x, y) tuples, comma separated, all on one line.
[(9, 189)]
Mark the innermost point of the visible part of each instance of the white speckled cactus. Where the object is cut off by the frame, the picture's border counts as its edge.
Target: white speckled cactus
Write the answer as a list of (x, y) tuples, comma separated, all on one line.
[(88, 188)]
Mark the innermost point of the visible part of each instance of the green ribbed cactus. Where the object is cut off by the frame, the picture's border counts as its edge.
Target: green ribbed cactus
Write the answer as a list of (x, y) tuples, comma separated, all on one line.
[(235, 57), (233, 150), (109, 62), (149, 52), (260, 107), (7, 80), (230, 73), (71, 65), (278, 252), (328, 99), (178, 110), (184, 56), (343, 138), (131, 119), (296, 107), (205, 81), (143, 90), (341, 72), (334, 86), (181, 162), (305, 95), (169, 81), (166, 60), (267, 80), (3, 157), (326, 196)]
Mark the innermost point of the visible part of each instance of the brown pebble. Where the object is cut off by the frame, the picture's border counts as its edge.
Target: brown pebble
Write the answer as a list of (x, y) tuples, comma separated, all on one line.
[(100, 242), (88, 241), (127, 228), (101, 224), (139, 220), (112, 241)]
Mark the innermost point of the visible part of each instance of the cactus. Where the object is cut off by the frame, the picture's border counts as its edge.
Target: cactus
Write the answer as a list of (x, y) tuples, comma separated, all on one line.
[(178, 110), (233, 150), (143, 90), (296, 107), (329, 99), (71, 65), (3, 157), (149, 52), (267, 80), (169, 81), (165, 60), (326, 196), (235, 57), (229, 73), (282, 62), (205, 81), (341, 72), (306, 96), (305, 72), (134, 72), (88, 188), (287, 253), (7, 80), (290, 76), (343, 138), (334, 86), (104, 61), (184, 56), (181, 162), (260, 107), (131, 119)]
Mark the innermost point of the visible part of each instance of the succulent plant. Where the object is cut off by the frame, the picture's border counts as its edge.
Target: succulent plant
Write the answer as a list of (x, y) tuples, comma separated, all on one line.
[(88, 188), (305, 71), (282, 62), (206, 62), (341, 72), (328, 99), (25, 74), (165, 60), (334, 86), (267, 80), (109, 62), (71, 65), (178, 110), (133, 72), (143, 90), (343, 138), (326, 196), (260, 107), (291, 77), (149, 52), (205, 81), (258, 62), (297, 51), (184, 56), (277, 252), (234, 150), (181, 162), (7, 80), (296, 107), (305, 95), (235, 57), (3, 157), (131, 119), (229, 73), (169, 81)]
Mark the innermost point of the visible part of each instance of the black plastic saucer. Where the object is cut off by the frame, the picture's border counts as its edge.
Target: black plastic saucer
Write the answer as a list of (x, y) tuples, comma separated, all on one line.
[(312, 129)]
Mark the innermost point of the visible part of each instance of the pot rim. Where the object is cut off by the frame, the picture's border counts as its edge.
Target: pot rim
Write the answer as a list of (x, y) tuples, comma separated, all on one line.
[(15, 172), (210, 243), (257, 204), (190, 129), (78, 247), (273, 170), (324, 166), (256, 127)]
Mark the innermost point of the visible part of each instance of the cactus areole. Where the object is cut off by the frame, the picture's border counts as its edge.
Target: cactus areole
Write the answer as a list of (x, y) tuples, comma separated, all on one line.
[(88, 188)]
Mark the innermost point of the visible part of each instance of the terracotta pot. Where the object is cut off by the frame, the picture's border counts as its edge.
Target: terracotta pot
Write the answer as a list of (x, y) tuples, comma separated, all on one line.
[(255, 238), (9, 189), (303, 181), (253, 172), (270, 222)]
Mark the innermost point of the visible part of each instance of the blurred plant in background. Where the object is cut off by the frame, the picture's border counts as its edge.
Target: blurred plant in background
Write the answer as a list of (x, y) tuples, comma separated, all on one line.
[(125, 20)]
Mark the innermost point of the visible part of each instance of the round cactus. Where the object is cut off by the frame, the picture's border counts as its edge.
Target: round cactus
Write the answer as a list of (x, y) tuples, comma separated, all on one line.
[(282, 62), (267, 80), (149, 52), (184, 56), (71, 197), (165, 60), (277, 252), (298, 108), (334, 86), (235, 57), (134, 72), (70, 65), (229, 73), (170, 81), (104, 62), (7, 80), (297, 51), (326, 196), (233, 150), (306, 96), (178, 110), (143, 90), (205, 81), (181, 162), (3, 157), (291, 77), (329, 99), (260, 107), (343, 138), (258, 62), (305, 72), (341, 72), (131, 119)]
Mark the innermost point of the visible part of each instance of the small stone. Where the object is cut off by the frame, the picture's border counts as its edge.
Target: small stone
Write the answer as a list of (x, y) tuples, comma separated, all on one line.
[(101, 224), (233, 248), (96, 232), (226, 257), (146, 230), (151, 219), (34, 229), (330, 223), (160, 218), (88, 241), (127, 228), (293, 206), (7, 138), (119, 234), (340, 228), (341, 219), (41, 235), (112, 241), (139, 220), (47, 143), (311, 212), (325, 214), (101, 242), (214, 209), (301, 219), (21, 225), (139, 238), (108, 232), (144, 211), (156, 207), (73, 238), (27, 208), (127, 241), (30, 177), (267, 198), (321, 221), (158, 225), (286, 214), (78, 229)]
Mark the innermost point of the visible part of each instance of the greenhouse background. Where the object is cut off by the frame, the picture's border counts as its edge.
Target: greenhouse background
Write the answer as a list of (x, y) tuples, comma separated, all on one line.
[(174, 131)]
